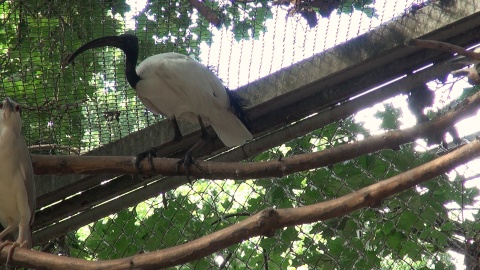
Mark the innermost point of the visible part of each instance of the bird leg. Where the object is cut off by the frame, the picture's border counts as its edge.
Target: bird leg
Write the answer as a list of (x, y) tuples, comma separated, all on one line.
[(7, 230), (178, 134), (152, 152), (188, 159)]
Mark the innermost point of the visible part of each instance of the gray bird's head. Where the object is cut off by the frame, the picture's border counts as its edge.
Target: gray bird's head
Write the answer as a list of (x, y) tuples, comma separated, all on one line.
[(10, 115)]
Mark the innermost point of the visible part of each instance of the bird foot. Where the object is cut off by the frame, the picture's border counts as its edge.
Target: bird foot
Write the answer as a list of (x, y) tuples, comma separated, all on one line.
[(150, 154), (12, 248), (187, 161)]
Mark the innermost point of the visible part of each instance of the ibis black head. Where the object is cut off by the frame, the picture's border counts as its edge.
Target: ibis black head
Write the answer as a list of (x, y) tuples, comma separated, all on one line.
[(128, 43)]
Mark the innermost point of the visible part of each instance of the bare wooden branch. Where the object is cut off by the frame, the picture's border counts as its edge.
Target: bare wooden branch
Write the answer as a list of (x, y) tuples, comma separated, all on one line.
[(441, 46), (206, 12), (263, 223), (273, 168)]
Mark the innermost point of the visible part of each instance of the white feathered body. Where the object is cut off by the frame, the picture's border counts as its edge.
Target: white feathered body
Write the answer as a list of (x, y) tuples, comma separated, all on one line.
[(17, 188), (177, 86)]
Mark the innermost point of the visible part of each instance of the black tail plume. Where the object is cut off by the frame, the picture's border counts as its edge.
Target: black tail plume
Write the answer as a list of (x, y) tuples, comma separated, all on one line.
[(237, 105)]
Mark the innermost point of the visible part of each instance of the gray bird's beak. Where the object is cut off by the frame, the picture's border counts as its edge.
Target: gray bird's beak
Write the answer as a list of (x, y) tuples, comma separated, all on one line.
[(7, 107), (8, 103)]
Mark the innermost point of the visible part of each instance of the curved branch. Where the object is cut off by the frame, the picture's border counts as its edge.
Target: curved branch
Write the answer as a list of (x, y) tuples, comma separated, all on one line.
[(441, 46), (263, 223), (254, 170)]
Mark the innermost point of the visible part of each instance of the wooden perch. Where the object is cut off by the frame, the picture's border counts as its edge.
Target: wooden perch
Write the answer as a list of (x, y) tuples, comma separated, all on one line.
[(263, 223), (441, 46), (253, 170)]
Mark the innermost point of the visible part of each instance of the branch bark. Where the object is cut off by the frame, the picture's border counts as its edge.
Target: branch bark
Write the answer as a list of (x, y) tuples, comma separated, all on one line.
[(206, 12), (441, 46), (263, 223), (273, 168)]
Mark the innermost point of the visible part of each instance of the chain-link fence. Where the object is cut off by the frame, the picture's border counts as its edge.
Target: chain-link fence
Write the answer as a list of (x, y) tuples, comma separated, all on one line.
[(77, 109)]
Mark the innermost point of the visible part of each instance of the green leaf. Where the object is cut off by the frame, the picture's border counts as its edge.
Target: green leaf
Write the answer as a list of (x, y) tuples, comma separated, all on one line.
[(388, 227), (396, 240), (389, 117), (447, 226), (407, 220), (411, 249)]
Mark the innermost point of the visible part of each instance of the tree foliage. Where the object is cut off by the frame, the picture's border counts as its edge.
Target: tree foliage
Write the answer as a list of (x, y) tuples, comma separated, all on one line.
[(90, 108), (38, 35), (412, 230)]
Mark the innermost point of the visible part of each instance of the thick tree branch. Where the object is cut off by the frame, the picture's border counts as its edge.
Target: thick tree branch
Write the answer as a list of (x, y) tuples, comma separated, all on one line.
[(263, 223), (273, 168), (206, 12)]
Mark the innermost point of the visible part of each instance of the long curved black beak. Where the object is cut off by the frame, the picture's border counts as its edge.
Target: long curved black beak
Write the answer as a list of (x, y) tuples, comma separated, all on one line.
[(126, 42)]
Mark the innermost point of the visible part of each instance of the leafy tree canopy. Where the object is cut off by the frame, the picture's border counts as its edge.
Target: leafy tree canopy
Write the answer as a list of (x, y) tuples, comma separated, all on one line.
[(82, 110)]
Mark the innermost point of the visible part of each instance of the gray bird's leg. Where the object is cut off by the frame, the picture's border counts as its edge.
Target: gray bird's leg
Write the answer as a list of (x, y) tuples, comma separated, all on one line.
[(6, 231), (23, 230), (11, 250), (152, 152)]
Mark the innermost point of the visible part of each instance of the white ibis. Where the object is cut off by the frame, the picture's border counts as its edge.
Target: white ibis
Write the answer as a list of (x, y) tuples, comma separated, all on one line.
[(178, 87), (17, 186)]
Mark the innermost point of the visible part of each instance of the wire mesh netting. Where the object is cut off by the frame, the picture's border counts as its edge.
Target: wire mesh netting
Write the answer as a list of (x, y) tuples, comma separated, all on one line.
[(415, 229), (76, 109), (88, 97)]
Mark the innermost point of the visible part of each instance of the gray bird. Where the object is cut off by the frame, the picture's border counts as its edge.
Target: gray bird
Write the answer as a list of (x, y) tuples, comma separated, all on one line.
[(472, 72), (17, 186)]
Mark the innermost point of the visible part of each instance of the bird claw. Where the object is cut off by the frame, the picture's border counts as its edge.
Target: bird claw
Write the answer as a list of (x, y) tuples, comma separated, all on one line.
[(4, 244), (150, 154), (186, 161), (12, 248)]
